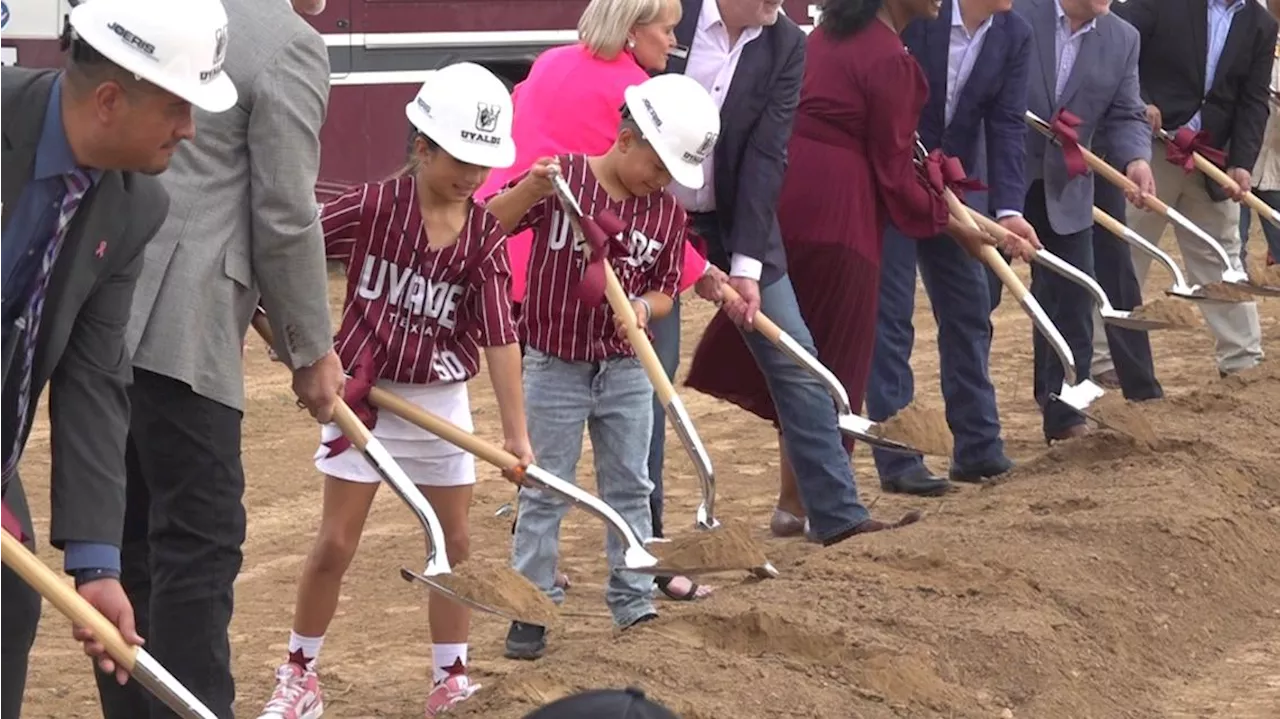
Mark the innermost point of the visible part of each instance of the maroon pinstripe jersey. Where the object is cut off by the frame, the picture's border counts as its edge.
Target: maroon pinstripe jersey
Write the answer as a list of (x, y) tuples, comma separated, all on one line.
[(645, 257), (426, 311)]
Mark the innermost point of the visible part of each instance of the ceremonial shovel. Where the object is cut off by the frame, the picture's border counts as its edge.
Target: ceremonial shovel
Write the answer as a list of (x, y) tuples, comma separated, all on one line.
[(1231, 276), (636, 557), (383, 463), (679, 416), (1076, 393), (1180, 287), (855, 426), (1056, 264), (1215, 173), (141, 665)]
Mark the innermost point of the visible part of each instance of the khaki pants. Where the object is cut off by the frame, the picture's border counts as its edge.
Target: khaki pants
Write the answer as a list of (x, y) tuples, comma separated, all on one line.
[(1235, 326)]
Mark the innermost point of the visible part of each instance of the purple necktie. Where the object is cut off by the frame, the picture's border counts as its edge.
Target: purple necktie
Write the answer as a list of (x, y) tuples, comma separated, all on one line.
[(78, 183)]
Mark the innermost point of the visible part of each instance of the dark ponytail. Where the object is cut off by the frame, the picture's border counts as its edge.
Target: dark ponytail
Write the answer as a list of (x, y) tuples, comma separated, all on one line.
[(411, 162), (842, 18)]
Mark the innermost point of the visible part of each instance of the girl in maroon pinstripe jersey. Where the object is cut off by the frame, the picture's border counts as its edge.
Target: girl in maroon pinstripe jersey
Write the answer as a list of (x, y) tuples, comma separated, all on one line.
[(578, 367), (428, 286)]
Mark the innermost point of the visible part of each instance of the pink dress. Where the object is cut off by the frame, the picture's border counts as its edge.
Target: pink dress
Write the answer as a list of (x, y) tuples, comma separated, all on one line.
[(571, 102)]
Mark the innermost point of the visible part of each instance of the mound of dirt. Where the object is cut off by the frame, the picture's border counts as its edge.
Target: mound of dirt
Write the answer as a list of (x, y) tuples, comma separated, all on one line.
[(1265, 276), (1086, 583), (728, 547), (1113, 411), (502, 588), (924, 428), (1176, 312), (1225, 292)]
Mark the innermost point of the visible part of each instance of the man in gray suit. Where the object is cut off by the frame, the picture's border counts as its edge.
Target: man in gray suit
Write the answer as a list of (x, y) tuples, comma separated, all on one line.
[(243, 226), (79, 206), (1084, 61)]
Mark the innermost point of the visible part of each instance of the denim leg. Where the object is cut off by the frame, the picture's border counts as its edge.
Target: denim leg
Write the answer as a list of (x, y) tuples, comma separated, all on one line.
[(1269, 229), (891, 385), (666, 343), (557, 402), (961, 303), (807, 415), (620, 422)]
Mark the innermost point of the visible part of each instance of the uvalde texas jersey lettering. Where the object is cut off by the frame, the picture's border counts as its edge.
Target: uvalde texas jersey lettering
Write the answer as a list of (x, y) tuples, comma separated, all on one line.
[(410, 291), (641, 251)]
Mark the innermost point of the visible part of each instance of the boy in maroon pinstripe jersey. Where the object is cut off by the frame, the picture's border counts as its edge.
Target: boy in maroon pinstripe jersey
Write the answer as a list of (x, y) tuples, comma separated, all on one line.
[(578, 367), (428, 287)]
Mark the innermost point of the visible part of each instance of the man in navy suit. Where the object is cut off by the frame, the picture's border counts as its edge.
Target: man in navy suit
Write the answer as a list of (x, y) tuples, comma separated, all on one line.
[(975, 55)]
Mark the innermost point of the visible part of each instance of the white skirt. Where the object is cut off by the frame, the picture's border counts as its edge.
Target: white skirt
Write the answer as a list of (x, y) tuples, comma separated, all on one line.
[(424, 457)]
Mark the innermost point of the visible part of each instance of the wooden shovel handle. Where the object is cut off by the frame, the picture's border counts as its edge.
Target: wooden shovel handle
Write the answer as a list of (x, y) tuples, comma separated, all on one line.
[(990, 255), (1118, 178), (1216, 174), (639, 341), (442, 428), (1114, 226), (62, 596)]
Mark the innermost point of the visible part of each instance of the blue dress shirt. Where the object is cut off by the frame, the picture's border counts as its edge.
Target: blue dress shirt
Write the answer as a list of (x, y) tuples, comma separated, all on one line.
[(25, 240)]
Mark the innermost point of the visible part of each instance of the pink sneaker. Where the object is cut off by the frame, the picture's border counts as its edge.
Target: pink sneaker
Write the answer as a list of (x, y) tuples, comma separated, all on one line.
[(297, 695), (449, 693)]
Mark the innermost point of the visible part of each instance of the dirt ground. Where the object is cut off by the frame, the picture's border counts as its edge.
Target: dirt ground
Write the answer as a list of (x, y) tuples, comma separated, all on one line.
[(1099, 579)]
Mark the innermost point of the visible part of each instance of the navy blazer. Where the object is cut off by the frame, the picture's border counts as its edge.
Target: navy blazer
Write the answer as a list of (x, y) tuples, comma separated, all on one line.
[(755, 128), (994, 96)]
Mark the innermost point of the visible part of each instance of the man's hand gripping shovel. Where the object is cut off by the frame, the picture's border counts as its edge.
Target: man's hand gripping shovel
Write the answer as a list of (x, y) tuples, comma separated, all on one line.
[(1064, 125), (438, 576), (140, 665), (596, 232)]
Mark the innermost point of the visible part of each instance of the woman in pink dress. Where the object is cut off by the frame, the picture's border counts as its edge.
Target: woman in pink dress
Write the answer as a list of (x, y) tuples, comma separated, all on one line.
[(850, 169), (571, 102)]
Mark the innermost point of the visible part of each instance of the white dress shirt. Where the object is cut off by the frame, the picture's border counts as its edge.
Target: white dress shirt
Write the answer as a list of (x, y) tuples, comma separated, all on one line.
[(712, 62)]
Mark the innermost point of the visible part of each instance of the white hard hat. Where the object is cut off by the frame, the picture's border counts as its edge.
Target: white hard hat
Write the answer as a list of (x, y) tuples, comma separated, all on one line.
[(178, 46), (466, 110), (679, 119)]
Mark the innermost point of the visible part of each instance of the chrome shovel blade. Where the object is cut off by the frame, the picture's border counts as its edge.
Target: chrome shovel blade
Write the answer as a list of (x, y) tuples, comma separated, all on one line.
[(1079, 396), (411, 576), (861, 429), (149, 673), (1121, 318)]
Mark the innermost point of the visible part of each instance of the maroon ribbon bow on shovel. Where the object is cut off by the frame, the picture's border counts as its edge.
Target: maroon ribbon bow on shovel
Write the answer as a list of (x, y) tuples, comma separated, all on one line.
[(1063, 126), (11, 523), (1182, 147), (363, 375), (944, 172), (597, 231)]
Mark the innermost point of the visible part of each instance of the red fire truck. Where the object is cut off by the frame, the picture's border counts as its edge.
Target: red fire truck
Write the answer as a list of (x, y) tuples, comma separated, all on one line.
[(378, 51)]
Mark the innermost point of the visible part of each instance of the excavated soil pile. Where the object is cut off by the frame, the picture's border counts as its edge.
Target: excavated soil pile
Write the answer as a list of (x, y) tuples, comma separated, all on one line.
[(1121, 415), (924, 428), (1225, 292), (1179, 313), (728, 547), (1084, 584), (1265, 276), (502, 588)]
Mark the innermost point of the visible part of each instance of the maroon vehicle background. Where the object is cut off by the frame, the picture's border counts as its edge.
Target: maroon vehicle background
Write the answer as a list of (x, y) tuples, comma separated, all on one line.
[(378, 51)]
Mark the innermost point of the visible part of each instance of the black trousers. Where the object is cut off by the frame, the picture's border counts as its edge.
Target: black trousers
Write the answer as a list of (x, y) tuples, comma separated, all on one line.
[(19, 615), (181, 551)]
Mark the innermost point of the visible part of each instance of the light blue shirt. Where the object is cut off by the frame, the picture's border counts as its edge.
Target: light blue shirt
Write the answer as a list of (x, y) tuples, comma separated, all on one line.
[(1221, 13), (962, 54), (1066, 45)]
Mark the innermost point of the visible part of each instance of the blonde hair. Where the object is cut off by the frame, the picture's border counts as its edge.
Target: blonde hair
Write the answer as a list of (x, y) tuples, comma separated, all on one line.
[(604, 25)]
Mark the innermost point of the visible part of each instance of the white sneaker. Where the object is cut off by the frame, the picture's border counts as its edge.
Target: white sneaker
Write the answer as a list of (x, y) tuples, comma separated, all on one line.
[(449, 693), (297, 695)]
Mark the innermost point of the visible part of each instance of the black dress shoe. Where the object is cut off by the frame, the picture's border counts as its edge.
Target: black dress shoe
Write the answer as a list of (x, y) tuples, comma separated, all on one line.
[(920, 482), (978, 473)]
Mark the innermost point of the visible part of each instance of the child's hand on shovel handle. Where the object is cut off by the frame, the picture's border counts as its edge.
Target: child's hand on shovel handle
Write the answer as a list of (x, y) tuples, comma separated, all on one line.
[(522, 448), (640, 309)]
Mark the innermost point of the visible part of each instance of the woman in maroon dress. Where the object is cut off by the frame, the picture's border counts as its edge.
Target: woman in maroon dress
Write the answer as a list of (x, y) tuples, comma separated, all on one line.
[(850, 169)]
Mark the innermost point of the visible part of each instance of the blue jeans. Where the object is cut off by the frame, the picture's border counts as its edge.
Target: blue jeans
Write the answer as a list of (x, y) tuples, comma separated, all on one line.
[(666, 343), (957, 289), (1269, 231), (614, 399)]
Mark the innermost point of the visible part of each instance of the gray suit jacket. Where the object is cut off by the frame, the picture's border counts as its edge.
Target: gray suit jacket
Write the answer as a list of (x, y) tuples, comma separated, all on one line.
[(1102, 91), (80, 349), (243, 222)]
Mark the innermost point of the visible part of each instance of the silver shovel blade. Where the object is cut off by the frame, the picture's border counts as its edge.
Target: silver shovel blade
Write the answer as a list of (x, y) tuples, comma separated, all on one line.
[(149, 673), (1121, 318), (1079, 396), (862, 429), (426, 578), (683, 424)]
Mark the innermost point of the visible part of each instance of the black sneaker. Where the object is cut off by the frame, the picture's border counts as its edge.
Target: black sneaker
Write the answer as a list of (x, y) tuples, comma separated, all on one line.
[(526, 641)]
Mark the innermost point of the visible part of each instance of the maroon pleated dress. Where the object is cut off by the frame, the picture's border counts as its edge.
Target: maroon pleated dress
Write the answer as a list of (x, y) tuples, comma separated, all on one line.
[(850, 170)]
